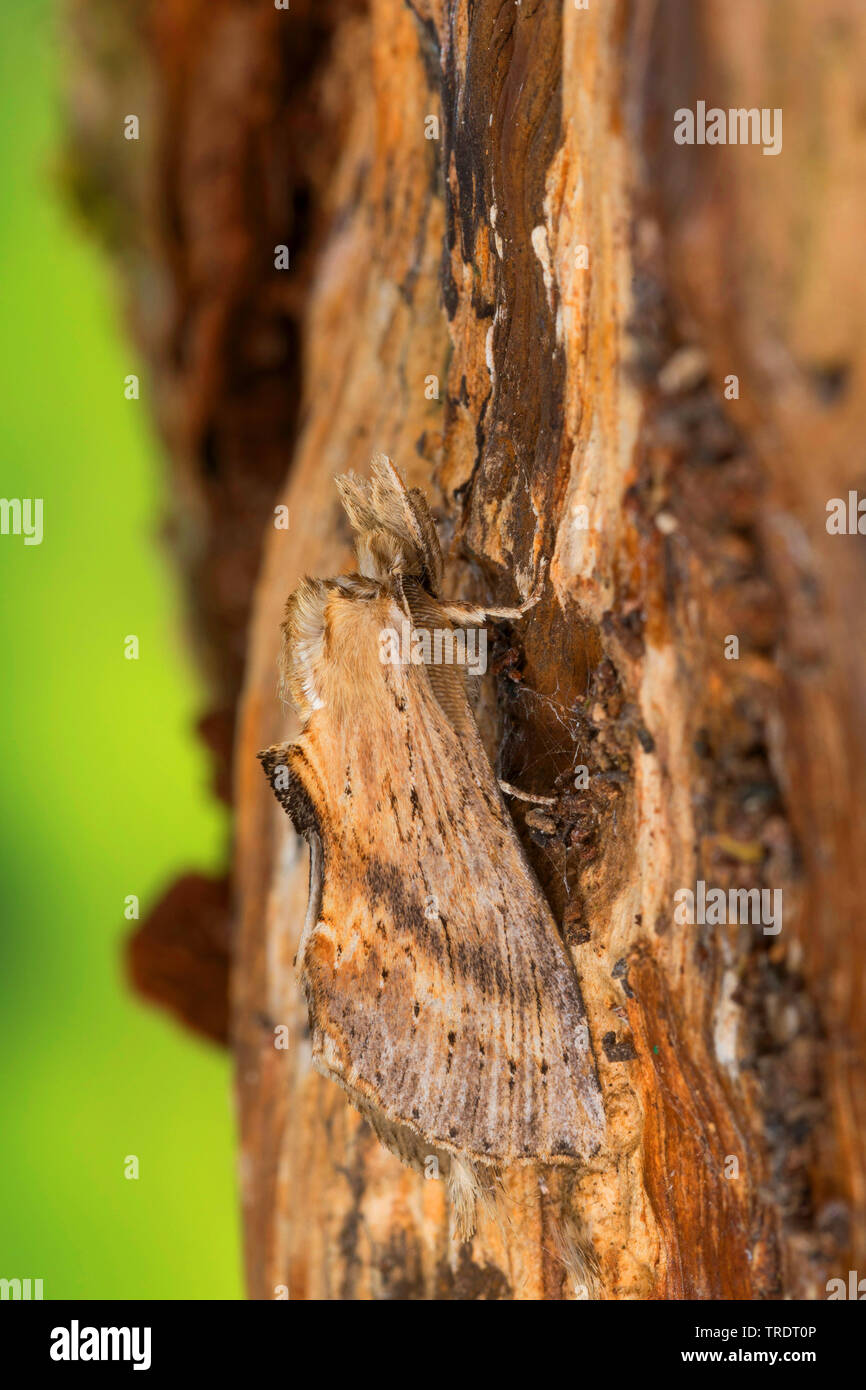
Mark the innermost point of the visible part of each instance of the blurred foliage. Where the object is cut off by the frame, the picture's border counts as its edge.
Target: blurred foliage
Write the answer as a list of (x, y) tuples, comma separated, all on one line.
[(104, 786)]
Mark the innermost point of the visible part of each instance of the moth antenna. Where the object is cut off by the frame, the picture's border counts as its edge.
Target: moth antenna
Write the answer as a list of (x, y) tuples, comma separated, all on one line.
[(388, 499), (355, 497), (430, 547), (405, 510), (388, 487)]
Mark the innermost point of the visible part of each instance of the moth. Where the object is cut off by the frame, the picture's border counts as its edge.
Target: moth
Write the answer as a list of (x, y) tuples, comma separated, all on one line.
[(440, 995)]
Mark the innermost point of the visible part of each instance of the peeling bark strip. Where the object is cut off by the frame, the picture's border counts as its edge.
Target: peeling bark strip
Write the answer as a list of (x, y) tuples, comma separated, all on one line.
[(501, 105), (581, 287)]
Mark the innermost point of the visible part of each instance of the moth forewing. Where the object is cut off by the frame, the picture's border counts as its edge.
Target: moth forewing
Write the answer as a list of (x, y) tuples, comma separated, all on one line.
[(440, 993)]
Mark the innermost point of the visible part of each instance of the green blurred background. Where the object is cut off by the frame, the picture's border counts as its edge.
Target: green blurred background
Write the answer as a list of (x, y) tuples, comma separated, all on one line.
[(103, 787)]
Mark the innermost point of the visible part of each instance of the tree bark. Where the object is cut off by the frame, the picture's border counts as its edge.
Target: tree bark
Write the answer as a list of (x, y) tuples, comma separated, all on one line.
[(582, 289)]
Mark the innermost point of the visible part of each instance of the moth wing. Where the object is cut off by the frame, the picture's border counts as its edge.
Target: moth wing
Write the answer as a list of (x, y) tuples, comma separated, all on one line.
[(438, 987), (384, 505)]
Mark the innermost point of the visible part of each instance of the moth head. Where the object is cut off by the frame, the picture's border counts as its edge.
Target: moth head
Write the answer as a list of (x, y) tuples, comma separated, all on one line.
[(396, 535), (382, 555)]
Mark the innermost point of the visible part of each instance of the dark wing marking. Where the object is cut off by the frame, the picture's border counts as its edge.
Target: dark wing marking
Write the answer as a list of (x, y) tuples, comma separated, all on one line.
[(438, 987)]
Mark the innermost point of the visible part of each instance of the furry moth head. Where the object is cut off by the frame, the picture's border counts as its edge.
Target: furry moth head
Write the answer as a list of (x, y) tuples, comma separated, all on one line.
[(440, 994)]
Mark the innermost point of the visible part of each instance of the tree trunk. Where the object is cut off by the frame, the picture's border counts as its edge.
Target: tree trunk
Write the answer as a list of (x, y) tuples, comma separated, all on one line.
[(639, 360)]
